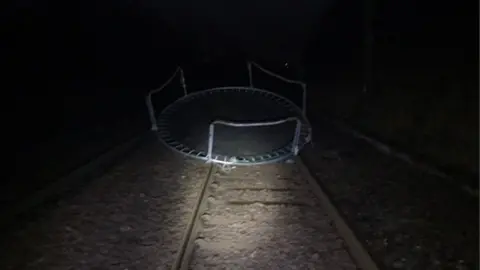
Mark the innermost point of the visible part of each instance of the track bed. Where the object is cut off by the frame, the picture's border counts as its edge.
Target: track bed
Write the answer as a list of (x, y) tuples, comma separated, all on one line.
[(137, 214), (263, 217)]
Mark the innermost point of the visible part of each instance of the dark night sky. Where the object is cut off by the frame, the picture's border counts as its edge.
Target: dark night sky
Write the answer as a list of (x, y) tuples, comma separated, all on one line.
[(98, 36), (64, 50), (279, 29), (59, 38)]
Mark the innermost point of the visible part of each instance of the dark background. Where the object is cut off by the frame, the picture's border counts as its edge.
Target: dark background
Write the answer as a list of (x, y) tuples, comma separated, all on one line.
[(79, 71)]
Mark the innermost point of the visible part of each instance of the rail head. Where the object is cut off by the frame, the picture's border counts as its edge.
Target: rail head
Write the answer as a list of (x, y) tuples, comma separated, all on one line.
[(296, 137)]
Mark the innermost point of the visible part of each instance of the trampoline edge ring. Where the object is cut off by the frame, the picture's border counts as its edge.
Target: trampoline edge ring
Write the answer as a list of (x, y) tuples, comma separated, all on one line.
[(275, 155)]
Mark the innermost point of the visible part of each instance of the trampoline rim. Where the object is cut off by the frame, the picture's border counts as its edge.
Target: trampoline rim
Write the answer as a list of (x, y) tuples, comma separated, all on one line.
[(292, 105)]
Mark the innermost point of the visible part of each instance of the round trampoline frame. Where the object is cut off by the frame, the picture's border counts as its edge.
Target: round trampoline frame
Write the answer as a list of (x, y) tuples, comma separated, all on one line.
[(302, 134)]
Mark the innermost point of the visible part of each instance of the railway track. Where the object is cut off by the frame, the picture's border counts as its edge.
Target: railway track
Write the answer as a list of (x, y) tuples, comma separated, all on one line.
[(267, 217), (156, 210)]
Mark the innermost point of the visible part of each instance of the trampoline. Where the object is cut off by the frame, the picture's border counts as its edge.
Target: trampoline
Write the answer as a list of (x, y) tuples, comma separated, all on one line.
[(232, 125)]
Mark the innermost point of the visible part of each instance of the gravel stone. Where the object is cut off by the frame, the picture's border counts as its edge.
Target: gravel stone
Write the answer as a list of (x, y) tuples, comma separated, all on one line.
[(271, 230), (406, 218), (133, 217)]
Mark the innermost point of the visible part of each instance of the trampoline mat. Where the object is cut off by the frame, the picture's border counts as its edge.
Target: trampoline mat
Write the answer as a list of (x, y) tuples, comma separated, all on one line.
[(184, 125)]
